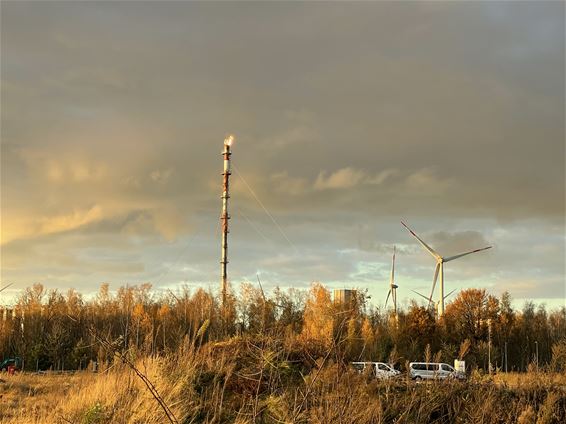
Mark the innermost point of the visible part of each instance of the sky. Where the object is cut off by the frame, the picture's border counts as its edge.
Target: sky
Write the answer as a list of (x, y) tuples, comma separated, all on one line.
[(348, 116)]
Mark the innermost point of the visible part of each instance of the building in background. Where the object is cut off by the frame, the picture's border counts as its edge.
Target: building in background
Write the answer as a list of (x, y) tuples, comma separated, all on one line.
[(344, 296)]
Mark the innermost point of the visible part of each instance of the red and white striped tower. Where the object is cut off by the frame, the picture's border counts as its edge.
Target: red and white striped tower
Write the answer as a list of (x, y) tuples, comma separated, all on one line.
[(225, 216)]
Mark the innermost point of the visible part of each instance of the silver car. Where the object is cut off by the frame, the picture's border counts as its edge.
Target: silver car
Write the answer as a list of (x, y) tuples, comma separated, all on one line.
[(433, 370), (378, 369)]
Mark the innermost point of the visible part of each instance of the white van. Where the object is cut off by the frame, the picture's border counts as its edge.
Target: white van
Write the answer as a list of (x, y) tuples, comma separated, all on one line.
[(379, 369), (433, 370)]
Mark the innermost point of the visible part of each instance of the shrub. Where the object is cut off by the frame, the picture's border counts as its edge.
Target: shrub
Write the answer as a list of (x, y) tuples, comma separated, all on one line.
[(558, 362)]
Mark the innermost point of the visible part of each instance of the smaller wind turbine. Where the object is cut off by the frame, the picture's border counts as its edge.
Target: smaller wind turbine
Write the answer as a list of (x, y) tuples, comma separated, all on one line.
[(393, 288)]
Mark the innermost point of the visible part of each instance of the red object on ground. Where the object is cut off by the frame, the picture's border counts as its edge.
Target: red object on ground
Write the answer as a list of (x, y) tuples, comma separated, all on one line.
[(11, 370)]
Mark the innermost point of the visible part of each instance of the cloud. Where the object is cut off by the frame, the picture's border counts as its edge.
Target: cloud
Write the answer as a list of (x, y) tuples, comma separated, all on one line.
[(161, 176), (33, 226), (169, 222), (71, 221), (289, 185), (426, 180), (382, 176), (299, 129), (524, 288), (421, 182), (343, 178), (451, 243), (63, 167), (165, 222)]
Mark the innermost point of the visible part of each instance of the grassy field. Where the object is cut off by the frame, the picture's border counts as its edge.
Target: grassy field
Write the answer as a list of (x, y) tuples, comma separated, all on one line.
[(244, 382)]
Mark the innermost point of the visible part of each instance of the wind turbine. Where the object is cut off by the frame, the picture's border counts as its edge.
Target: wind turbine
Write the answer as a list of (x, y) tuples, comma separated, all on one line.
[(439, 269), (393, 288)]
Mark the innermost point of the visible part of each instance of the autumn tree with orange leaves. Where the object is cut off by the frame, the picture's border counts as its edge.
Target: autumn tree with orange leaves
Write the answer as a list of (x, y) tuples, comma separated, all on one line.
[(318, 317), (470, 314)]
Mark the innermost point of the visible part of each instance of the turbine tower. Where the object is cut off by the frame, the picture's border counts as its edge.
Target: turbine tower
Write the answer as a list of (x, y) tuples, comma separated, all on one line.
[(225, 217), (393, 289), (439, 269)]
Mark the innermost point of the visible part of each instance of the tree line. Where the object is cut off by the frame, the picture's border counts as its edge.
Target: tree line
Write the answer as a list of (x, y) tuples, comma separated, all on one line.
[(48, 329)]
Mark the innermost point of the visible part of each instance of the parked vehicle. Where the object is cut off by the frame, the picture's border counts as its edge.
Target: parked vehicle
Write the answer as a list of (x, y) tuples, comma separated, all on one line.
[(11, 363), (433, 370), (378, 369)]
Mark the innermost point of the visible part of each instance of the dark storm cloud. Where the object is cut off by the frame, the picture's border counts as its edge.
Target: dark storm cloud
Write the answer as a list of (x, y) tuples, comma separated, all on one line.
[(348, 117)]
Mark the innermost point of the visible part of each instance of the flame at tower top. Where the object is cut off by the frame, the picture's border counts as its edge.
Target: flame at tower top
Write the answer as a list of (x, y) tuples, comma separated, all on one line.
[(229, 140)]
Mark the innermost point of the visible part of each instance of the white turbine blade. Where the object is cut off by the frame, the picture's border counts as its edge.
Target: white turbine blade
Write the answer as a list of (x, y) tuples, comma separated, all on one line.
[(387, 299), (436, 270), (451, 258), (5, 287), (426, 246), (449, 293), (421, 295), (261, 288), (392, 279)]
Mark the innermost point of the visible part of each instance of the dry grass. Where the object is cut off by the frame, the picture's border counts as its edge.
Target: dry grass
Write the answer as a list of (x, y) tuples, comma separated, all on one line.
[(263, 381), (36, 398), (515, 379)]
